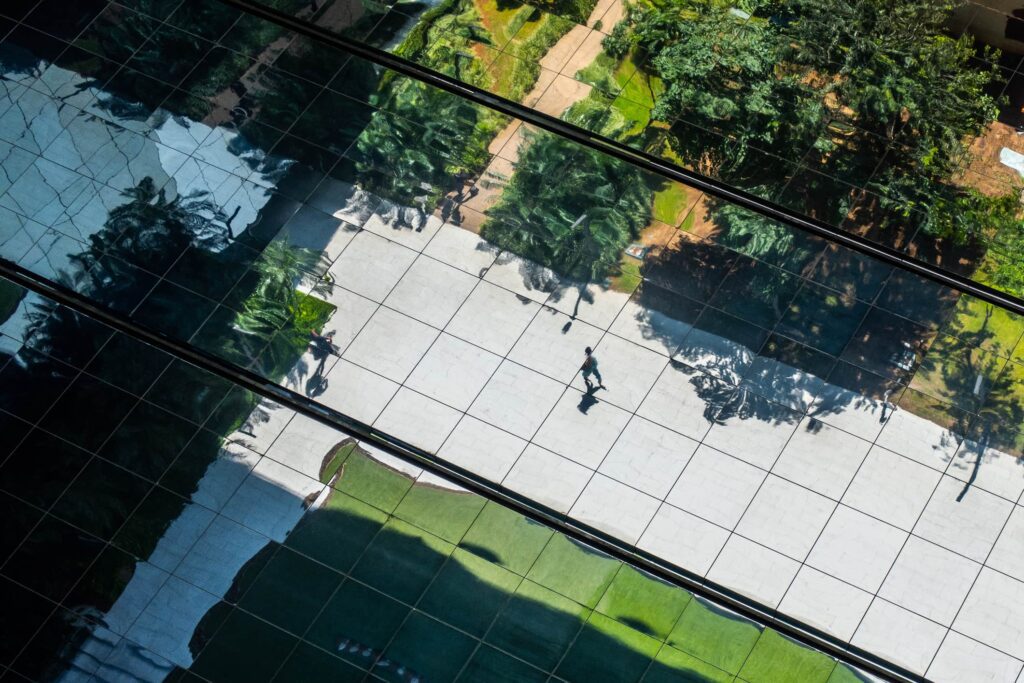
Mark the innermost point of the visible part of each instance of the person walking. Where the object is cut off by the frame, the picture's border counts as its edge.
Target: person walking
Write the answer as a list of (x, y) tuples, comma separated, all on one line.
[(589, 368), (322, 346)]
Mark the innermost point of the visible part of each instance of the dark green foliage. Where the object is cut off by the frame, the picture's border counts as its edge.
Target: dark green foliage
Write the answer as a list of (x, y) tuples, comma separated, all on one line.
[(617, 43), (577, 10), (573, 210), (274, 299), (10, 297), (876, 91), (420, 141)]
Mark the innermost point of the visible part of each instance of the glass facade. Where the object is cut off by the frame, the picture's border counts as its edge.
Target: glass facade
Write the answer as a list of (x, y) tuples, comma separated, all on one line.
[(831, 439)]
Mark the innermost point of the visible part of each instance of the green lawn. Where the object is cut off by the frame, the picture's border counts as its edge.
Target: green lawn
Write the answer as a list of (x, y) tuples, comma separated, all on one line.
[(644, 602), (371, 482), (591, 574), (714, 635), (776, 659), (334, 461), (444, 512), (670, 203), (506, 538), (588, 614), (991, 328)]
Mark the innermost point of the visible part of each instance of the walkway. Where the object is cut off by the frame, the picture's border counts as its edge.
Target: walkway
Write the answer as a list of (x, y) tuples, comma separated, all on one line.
[(840, 510)]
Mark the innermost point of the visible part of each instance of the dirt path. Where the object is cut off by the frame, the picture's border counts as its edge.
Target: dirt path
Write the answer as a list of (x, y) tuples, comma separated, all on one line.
[(986, 172), (556, 90)]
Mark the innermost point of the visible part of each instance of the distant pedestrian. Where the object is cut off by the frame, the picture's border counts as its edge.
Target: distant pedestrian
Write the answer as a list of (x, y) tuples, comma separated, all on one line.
[(589, 368), (322, 346)]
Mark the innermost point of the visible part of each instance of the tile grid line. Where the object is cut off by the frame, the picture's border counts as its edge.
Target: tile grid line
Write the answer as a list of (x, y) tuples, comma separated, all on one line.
[(283, 660), (71, 481), (275, 626), (215, 514), (48, 510), (355, 564), (634, 413), (739, 520), (162, 277), (490, 626), (698, 515), (967, 595), (527, 326), (497, 285), (755, 542), (821, 531), (434, 578), (152, 486), (875, 596)]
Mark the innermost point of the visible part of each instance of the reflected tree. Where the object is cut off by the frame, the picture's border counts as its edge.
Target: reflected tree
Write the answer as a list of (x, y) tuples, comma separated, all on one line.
[(877, 93), (569, 209), (422, 142), (140, 239), (274, 301)]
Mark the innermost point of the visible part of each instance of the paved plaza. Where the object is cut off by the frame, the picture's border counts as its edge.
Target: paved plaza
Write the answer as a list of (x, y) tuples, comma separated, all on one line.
[(845, 512)]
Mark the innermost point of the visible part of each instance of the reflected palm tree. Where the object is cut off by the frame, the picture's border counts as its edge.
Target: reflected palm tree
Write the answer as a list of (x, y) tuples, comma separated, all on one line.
[(577, 226), (149, 230)]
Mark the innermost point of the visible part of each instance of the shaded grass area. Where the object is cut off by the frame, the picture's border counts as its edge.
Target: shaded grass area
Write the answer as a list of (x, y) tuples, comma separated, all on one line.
[(670, 202), (991, 328), (10, 296), (539, 601)]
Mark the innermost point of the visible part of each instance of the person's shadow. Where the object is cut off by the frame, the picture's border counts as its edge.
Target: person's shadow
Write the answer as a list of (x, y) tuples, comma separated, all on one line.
[(322, 348), (587, 400), (316, 385)]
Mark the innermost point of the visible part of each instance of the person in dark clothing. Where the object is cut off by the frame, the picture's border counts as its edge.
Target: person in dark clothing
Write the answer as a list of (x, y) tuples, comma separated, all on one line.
[(589, 368), (322, 346)]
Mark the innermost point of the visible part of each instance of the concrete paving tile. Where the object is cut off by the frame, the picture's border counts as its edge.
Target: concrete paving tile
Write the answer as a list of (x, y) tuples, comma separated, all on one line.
[(581, 428), (648, 457), (516, 399), (453, 371), (390, 344), (548, 478), (482, 448), (431, 291), (492, 318)]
